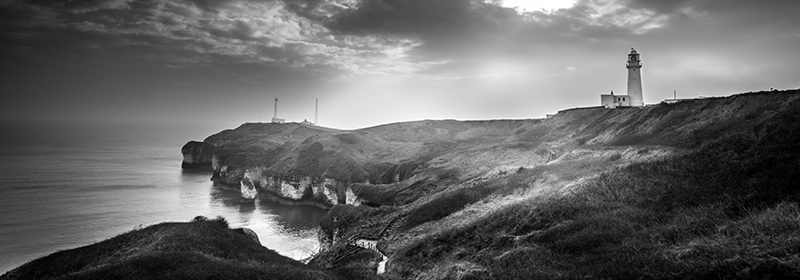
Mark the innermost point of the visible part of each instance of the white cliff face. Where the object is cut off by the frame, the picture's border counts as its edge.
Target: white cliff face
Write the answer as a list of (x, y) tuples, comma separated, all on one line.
[(351, 198), (216, 162), (247, 188), (305, 188), (290, 191), (329, 191)]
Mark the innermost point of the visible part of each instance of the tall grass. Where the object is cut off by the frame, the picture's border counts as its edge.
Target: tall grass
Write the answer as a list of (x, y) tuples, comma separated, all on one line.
[(444, 205), (729, 210), (201, 249)]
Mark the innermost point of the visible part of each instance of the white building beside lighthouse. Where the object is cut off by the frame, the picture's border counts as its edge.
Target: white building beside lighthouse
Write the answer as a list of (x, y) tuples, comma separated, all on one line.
[(634, 98)]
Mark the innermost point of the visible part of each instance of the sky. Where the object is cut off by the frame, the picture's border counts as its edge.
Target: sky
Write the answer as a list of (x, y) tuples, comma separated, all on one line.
[(371, 62)]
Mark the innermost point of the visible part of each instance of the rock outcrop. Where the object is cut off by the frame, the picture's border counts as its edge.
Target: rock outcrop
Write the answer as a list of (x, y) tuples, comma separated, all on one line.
[(197, 154), (325, 191), (229, 166)]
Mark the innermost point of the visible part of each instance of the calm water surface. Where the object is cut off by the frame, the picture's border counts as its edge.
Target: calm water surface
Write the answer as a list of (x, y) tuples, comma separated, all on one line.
[(67, 185)]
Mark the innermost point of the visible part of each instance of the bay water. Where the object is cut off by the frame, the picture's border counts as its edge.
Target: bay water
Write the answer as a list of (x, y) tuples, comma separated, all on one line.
[(66, 185)]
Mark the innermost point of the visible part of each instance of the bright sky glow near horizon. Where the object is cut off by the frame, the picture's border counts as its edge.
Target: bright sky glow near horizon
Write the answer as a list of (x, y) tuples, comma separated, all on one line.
[(371, 62)]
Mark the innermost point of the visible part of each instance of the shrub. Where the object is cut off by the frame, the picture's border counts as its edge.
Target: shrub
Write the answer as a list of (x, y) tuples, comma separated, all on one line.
[(219, 220), (200, 219)]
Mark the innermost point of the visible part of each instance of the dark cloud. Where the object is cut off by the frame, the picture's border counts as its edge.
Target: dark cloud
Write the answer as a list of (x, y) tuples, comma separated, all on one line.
[(209, 5), (16, 16), (426, 18), (81, 5), (350, 35), (239, 30), (446, 28), (659, 6), (316, 10), (91, 5), (388, 42), (740, 13)]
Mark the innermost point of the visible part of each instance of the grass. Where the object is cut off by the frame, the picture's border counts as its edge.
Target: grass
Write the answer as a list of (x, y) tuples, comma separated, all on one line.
[(348, 262), (445, 205), (568, 239), (728, 210), (201, 249)]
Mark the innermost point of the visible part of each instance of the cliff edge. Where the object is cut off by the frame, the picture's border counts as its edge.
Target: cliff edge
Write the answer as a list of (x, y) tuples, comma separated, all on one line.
[(699, 189), (684, 190)]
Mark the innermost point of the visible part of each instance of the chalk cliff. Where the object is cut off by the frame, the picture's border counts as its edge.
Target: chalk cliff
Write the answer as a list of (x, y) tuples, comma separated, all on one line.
[(197, 154), (489, 199), (397, 163)]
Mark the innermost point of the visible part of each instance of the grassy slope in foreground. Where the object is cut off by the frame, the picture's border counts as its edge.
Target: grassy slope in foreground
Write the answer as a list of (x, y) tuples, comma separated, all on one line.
[(201, 249)]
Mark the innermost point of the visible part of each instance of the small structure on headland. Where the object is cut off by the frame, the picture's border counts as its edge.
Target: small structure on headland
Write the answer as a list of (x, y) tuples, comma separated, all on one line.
[(276, 119), (613, 101), (634, 98), (674, 98), (316, 115)]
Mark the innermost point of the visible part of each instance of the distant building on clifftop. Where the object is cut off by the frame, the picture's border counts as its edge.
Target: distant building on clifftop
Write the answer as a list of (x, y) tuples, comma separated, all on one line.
[(634, 98)]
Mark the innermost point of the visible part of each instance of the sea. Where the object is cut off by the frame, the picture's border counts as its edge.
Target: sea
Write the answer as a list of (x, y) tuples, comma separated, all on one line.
[(69, 184)]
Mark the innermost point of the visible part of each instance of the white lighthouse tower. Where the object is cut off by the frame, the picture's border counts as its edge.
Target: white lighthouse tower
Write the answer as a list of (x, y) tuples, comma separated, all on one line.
[(635, 79)]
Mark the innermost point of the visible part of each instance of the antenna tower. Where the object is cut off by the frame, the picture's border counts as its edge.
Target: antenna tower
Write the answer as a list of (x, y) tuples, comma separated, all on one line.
[(316, 113), (276, 108)]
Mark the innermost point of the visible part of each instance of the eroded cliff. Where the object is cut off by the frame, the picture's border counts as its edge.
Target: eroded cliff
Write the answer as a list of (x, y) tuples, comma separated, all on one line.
[(470, 198), (197, 154)]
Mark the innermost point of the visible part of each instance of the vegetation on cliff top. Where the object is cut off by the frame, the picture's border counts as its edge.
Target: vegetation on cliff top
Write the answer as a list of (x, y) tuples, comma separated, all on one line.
[(729, 210), (702, 190), (200, 249)]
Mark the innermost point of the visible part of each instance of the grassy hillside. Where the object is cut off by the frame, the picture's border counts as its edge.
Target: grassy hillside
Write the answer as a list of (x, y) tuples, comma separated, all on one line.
[(700, 189), (728, 210), (484, 148), (695, 190), (201, 249)]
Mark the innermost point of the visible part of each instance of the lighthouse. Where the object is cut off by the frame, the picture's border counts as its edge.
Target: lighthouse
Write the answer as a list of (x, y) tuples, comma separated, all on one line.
[(634, 97), (634, 66)]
